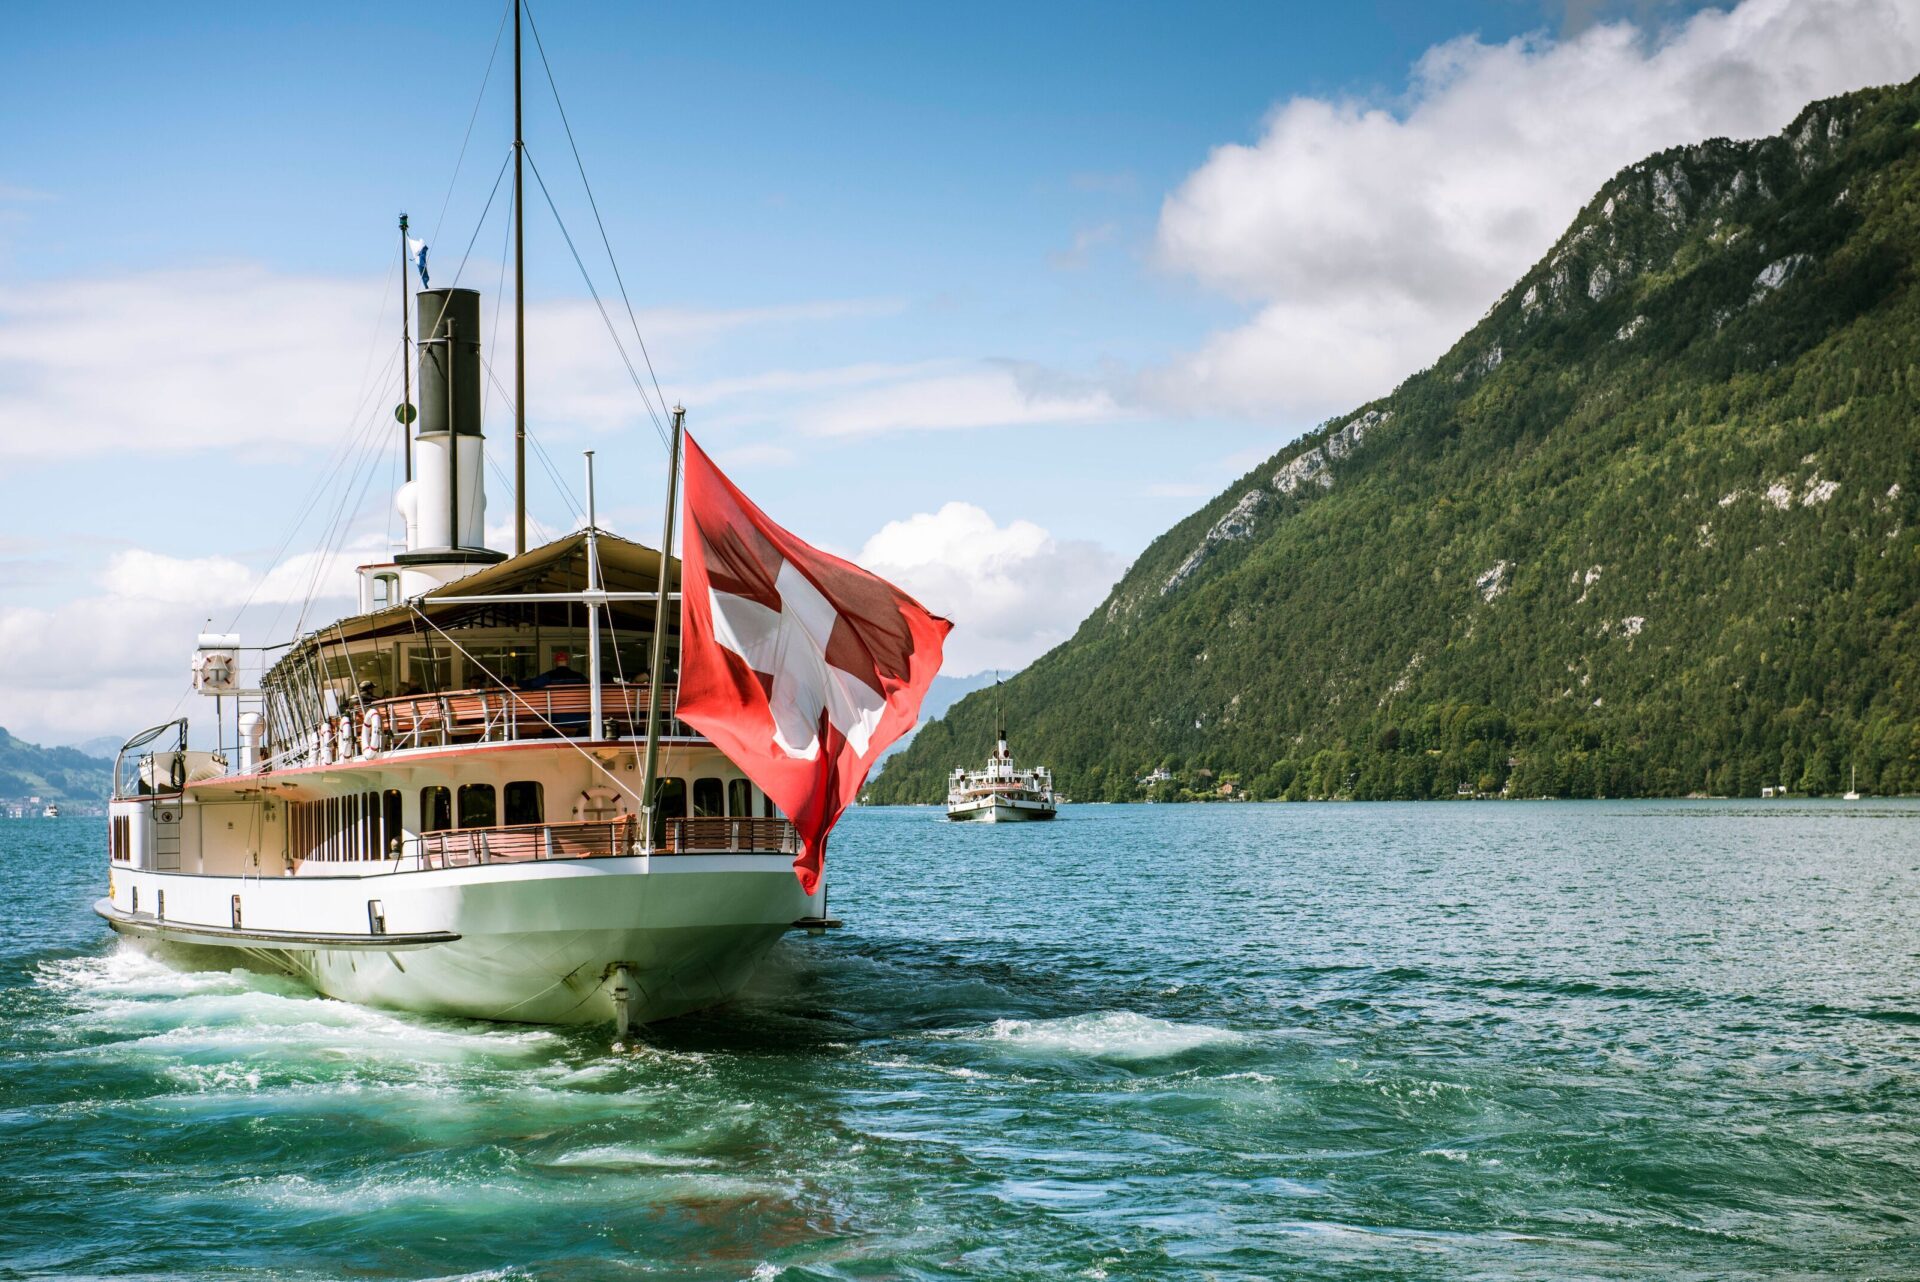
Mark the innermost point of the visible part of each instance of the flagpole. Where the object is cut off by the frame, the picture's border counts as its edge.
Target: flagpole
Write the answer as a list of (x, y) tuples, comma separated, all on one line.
[(519, 310), (406, 357), (595, 721), (660, 632)]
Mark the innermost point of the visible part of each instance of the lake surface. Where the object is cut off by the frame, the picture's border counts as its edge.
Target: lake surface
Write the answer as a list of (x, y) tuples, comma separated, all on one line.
[(1499, 1040)]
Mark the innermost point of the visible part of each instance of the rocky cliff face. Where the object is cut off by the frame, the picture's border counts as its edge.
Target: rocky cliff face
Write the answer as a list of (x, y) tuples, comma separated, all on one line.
[(1649, 523)]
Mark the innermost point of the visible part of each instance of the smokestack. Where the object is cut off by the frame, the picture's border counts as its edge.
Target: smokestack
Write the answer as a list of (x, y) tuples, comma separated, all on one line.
[(445, 505)]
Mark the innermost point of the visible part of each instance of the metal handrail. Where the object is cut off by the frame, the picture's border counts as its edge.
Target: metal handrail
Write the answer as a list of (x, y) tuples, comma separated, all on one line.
[(596, 839), (481, 715)]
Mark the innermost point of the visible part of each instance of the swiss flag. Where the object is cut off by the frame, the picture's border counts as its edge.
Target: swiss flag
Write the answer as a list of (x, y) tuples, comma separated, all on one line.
[(799, 666)]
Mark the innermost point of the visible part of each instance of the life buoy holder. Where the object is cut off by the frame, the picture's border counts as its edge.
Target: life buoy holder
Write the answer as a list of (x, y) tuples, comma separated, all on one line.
[(601, 805)]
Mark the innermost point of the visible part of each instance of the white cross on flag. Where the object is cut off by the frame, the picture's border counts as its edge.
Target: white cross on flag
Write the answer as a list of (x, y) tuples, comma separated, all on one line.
[(799, 666)]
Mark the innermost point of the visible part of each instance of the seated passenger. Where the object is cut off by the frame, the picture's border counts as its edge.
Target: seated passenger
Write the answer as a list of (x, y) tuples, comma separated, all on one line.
[(560, 674)]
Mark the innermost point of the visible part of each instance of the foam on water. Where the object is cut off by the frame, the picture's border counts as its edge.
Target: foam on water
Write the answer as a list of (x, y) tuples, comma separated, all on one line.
[(615, 1157), (1116, 1035)]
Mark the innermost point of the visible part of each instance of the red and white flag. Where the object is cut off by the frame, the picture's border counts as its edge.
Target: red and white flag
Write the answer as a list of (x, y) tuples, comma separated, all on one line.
[(799, 666)]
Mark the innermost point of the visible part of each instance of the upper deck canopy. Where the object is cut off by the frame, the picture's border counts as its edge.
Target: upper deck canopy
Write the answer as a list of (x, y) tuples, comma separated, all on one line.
[(559, 566)]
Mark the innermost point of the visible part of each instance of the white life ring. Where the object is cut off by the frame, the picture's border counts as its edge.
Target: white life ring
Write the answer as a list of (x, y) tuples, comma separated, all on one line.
[(344, 748), (601, 805), (370, 731)]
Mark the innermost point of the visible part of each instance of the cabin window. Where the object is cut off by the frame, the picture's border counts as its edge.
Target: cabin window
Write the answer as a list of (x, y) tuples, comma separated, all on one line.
[(430, 671), (395, 830), (436, 809), (709, 799), (345, 672), (502, 661), (386, 590), (524, 803), (477, 806), (670, 802), (120, 838), (739, 798)]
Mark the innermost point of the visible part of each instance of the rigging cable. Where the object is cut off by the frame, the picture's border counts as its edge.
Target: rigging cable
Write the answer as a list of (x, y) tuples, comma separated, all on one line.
[(341, 515), (613, 333), (595, 206), (478, 99)]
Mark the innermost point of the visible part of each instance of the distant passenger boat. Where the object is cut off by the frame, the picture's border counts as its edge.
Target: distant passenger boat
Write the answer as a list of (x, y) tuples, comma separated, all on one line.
[(1001, 793), (52, 811)]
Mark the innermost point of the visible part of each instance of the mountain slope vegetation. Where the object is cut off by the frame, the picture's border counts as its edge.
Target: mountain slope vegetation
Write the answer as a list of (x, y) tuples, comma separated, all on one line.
[(1649, 528), (52, 774)]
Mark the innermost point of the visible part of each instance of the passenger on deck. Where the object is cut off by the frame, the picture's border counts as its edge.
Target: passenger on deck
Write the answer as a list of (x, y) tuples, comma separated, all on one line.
[(369, 693), (560, 674)]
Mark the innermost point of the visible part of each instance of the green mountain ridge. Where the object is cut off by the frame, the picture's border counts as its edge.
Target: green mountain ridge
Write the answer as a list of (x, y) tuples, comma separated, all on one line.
[(1647, 529), (52, 774)]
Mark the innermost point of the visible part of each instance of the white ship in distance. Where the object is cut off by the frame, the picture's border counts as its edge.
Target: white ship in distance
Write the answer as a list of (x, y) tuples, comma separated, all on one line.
[(1002, 792)]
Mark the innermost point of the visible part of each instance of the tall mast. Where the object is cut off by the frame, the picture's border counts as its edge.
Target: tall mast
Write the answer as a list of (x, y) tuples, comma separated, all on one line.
[(519, 310), (406, 357)]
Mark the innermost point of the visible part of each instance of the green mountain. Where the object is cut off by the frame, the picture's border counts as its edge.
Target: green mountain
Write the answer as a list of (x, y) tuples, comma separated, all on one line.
[(1649, 528), (52, 774)]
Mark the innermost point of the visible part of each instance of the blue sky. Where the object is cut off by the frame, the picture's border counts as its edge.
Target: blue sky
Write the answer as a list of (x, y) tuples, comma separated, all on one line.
[(973, 294)]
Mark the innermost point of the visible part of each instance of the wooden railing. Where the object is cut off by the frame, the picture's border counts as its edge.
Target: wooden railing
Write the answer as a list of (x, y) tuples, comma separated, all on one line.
[(598, 839), (702, 836), (502, 715)]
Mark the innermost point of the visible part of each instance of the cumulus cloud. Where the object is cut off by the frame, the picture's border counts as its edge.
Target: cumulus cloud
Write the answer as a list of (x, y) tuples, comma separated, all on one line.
[(116, 658), (1369, 236), (1013, 591)]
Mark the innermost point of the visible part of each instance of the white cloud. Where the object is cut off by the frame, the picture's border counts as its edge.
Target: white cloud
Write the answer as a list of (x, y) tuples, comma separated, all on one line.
[(1013, 591), (116, 659), (1370, 238), (1085, 241), (169, 362), (989, 394)]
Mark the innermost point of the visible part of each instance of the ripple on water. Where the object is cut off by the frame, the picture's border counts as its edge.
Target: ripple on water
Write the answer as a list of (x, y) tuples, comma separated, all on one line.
[(1455, 1042)]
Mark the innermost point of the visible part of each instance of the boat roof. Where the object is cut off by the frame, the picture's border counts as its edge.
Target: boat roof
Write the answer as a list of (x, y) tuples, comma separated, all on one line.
[(559, 566)]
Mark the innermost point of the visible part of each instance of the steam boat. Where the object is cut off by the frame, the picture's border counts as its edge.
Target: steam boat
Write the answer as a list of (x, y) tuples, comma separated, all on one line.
[(471, 796), (1001, 793)]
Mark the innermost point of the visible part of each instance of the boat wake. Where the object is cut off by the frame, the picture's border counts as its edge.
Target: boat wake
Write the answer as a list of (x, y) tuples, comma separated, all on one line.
[(1110, 1035)]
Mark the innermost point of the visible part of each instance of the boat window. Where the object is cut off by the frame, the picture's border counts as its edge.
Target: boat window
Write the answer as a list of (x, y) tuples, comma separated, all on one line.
[(347, 671), (670, 803), (386, 590), (371, 817), (502, 661), (436, 809), (631, 659), (524, 802), (477, 808), (430, 670), (396, 830), (739, 798), (709, 799)]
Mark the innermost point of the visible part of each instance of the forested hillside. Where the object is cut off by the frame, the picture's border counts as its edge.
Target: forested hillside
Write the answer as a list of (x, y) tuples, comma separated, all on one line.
[(52, 774), (1649, 528)]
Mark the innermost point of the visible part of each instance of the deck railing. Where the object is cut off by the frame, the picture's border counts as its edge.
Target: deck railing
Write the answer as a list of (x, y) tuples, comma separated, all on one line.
[(598, 839), (498, 715), (502, 715)]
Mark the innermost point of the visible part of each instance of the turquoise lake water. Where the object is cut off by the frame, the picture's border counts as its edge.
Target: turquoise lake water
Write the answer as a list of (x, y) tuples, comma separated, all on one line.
[(1499, 1040)]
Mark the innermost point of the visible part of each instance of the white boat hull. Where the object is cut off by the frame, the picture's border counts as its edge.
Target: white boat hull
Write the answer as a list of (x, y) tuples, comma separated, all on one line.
[(543, 943), (1000, 812)]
